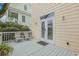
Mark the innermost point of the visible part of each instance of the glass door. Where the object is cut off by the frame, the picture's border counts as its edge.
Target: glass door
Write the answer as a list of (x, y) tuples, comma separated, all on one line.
[(47, 27), (50, 29), (43, 29)]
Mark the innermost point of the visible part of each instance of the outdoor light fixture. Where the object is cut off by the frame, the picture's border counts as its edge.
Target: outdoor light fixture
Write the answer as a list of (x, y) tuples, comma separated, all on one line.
[(36, 23), (63, 18), (3, 8)]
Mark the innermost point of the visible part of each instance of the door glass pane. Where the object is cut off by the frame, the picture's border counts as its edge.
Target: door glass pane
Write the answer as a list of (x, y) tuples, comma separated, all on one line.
[(50, 29), (43, 29)]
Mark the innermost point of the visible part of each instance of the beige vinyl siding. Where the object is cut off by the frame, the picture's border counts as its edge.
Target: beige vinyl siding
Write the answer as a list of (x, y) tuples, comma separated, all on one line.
[(67, 30)]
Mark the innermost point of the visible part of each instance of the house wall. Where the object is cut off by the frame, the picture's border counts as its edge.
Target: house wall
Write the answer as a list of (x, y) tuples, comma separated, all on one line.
[(19, 18), (19, 8), (27, 19), (67, 30)]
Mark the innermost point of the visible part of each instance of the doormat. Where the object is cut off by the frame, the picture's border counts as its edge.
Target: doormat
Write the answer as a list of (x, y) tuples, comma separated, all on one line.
[(42, 43)]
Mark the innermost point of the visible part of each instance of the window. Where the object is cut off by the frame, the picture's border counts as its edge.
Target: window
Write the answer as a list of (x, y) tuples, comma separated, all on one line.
[(25, 7), (23, 18)]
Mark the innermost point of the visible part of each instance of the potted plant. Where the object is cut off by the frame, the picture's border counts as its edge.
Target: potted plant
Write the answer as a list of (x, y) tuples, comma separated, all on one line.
[(5, 49)]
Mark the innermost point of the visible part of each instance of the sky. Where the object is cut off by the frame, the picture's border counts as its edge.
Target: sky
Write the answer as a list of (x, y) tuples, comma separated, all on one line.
[(1, 5)]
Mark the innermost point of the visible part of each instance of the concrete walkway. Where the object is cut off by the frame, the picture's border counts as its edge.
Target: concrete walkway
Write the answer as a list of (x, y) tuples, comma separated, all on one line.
[(30, 48)]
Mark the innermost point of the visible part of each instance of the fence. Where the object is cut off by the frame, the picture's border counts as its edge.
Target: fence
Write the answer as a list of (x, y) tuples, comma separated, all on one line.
[(15, 36)]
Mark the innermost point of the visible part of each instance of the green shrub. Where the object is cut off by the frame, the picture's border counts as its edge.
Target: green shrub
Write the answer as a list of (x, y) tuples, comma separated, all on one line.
[(5, 49), (10, 29), (10, 26), (25, 28), (2, 24)]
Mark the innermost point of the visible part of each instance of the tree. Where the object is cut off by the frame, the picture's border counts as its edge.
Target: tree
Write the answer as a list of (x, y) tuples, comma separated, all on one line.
[(4, 7)]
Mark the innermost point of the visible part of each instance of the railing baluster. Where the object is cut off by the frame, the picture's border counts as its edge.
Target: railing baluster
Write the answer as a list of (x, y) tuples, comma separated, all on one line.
[(5, 37), (9, 36)]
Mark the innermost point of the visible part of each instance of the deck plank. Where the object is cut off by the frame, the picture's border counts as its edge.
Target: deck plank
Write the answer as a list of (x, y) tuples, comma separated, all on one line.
[(30, 48)]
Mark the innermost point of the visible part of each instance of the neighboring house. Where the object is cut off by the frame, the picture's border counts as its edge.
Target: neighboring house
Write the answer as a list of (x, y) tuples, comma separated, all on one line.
[(18, 13), (57, 24)]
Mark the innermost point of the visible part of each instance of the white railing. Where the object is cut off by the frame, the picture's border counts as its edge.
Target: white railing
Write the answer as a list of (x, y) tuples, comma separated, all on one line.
[(15, 36)]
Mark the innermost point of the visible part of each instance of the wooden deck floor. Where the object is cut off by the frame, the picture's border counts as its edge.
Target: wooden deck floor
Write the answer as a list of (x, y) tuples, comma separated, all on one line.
[(30, 48)]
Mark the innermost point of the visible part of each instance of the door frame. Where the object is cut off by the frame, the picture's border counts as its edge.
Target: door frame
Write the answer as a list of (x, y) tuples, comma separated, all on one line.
[(54, 29)]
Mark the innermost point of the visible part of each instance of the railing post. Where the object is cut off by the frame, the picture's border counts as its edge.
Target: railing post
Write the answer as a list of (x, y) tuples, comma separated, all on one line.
[(0, 37)]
